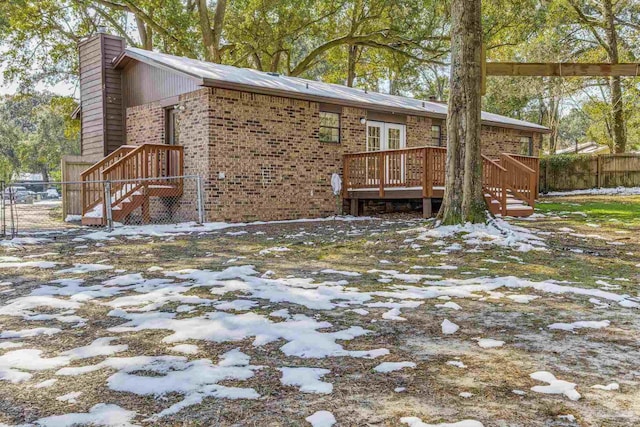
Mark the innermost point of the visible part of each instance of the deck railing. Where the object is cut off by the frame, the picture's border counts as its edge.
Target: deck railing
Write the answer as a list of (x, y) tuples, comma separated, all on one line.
[(533, 163), (493, 181), (520, 179), (424, 168), (404, 167), (126, 165), (92, 188)]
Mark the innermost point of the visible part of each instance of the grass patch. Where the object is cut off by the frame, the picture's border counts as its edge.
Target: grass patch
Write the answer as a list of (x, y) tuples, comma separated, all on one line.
[(626, 209)]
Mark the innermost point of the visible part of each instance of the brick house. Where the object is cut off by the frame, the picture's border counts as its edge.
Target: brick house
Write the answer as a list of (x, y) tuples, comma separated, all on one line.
[(266, 145)]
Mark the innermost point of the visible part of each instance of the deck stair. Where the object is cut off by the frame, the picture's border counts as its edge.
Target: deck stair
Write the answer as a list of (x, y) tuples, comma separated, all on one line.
[(510, 182), (134, 175)]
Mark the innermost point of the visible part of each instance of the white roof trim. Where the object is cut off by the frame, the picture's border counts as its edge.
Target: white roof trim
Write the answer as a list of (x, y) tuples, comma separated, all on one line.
[(258, 81)]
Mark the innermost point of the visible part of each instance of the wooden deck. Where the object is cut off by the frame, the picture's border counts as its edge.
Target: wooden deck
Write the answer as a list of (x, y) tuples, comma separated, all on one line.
[(135, 174), (510, 182)]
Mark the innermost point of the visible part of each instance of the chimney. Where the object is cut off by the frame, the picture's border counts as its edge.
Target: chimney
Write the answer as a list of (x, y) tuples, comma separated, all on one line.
[(101, 106)]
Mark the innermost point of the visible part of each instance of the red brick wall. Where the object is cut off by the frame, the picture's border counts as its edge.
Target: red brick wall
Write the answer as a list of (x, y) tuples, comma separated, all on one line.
[(418, 131), (259, 156), (145, 124), (274, 167), (496, 140)]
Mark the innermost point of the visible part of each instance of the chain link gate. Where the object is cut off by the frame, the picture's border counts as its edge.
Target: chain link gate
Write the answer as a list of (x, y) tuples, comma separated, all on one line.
[(62, 207)]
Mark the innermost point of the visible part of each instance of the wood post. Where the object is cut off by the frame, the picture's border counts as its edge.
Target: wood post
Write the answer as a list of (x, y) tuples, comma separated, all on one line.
[(381, 172), (345, 177), (354, 207), (599, 171), (426, 188), (427, 209)]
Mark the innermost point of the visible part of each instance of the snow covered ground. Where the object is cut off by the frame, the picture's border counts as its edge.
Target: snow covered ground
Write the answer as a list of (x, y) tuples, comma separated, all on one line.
[(622, 191), (381, 322)]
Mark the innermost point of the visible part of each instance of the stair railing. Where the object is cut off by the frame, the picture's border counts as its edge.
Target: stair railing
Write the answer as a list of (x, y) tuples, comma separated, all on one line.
[(493, 182), (128, 170), (146, 161), (532, 163), (92, 189), (520, 179)]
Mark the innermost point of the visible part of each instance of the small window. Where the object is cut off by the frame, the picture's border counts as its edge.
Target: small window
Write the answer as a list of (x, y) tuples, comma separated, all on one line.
[(329, 127), (436, 135), (526, 146)]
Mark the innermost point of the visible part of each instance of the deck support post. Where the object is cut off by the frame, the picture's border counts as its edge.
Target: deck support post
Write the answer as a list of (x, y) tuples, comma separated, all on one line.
[(427, 210), (106, 206), (200, 201), (354, 207), (146, 210)]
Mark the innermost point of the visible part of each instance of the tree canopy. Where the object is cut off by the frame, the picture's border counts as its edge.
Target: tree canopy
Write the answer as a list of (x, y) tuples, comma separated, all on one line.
[(400, 47)]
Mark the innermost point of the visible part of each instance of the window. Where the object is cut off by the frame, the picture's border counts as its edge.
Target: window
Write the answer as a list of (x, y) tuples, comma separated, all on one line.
[(526, 146), (373, 138), (329, 127), (436, 135)]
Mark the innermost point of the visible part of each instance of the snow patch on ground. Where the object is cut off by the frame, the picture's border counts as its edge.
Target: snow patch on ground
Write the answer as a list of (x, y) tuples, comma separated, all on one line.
[(490, 343), (307, 379), (596, 192), (555, 386), (449, 327), (386, 367), (102, 414), (608, 387), (417, 422), (165, 230), (195, 379), (321, 419), (590, 324), (496, 232)]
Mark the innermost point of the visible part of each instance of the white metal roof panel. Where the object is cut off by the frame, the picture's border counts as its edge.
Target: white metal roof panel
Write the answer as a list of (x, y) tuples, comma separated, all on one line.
[(211, 73)]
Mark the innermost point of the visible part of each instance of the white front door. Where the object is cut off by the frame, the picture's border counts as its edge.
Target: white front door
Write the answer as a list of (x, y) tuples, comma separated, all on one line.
[(386, 136)]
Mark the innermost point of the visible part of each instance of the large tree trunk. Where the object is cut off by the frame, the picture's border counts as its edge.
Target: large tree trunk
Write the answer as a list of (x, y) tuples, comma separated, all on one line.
[(351, 64), (463, 197), (619, 134), (146, 34), (211, 36), (553, 116)]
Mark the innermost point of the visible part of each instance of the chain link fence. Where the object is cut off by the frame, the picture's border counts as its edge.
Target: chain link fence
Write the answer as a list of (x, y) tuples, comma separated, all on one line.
[(37, 208)]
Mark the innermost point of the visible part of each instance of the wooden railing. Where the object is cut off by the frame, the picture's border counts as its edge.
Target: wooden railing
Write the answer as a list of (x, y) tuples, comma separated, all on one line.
[(128, 170), (531, 162), (395, 168), (520, 179), (92, 187), (493, 181), (424, 168)]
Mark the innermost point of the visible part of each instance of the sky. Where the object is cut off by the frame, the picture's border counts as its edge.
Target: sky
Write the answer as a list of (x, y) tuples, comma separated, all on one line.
[(63, 88)]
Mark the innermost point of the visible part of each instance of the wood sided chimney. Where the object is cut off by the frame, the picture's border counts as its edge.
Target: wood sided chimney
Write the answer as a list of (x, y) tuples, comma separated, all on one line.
[(101, 107)]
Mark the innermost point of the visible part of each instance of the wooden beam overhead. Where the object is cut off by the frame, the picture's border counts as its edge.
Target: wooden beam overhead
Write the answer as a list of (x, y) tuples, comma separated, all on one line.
[(561, 69)]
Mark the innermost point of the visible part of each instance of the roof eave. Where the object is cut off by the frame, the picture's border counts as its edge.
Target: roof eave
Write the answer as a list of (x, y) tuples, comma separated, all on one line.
[(223, 84), (517, 126), (126, 56), (123, 59)]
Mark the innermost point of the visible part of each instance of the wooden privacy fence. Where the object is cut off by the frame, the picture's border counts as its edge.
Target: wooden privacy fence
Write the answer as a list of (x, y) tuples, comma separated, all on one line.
[(71, 168), (579, 172)]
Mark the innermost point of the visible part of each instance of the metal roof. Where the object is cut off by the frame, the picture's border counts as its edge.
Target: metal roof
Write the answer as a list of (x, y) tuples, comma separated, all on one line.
[(217, 75)]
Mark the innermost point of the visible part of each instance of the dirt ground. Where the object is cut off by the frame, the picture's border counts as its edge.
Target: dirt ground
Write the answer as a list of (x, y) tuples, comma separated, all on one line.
[(332, 295), (37, 217)]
